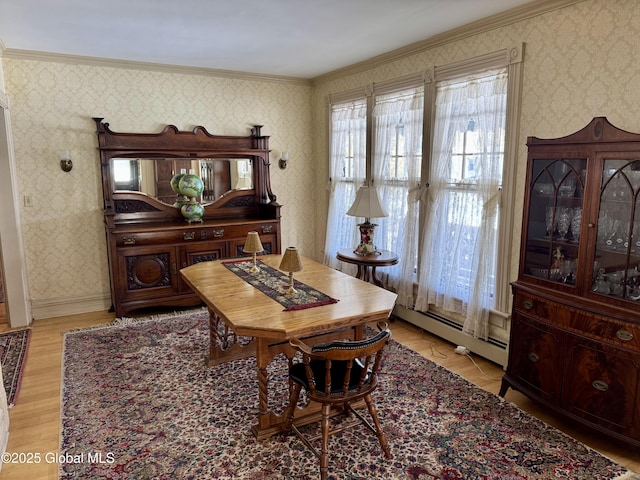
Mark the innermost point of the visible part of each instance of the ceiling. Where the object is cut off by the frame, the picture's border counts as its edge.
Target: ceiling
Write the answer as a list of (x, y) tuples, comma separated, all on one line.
[(293, 38)]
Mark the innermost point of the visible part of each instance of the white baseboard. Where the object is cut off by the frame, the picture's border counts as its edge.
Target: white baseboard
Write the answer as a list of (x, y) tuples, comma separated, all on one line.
[(491, 351), (61, 307)]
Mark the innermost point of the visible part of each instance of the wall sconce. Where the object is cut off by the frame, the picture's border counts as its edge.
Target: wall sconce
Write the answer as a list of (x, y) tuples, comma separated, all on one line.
[(65, 161), (283, 160)]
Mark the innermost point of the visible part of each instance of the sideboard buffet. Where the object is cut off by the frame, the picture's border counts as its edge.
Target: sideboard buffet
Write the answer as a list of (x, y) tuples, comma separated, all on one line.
[(575, 331), (148, 238)]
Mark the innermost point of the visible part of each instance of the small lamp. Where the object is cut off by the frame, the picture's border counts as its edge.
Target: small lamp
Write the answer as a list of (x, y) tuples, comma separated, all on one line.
[(291, 263), (367, 205), (253, 245)]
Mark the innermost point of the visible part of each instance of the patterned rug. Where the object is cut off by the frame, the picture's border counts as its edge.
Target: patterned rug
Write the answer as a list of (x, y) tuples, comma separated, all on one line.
[(13, 353), (138, 402)]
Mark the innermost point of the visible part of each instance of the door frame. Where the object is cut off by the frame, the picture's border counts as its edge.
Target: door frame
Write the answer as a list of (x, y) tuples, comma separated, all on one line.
[(12, 257)]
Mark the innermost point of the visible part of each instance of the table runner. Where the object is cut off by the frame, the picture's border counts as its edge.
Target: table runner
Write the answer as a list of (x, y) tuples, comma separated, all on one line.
[(274, 283)]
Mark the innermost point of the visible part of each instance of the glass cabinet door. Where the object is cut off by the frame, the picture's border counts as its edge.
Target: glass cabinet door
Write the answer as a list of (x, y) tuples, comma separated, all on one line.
[(617, 250), (555, 219)]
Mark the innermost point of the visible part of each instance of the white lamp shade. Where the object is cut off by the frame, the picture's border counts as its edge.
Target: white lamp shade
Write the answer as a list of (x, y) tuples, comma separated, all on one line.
[(367, 204)]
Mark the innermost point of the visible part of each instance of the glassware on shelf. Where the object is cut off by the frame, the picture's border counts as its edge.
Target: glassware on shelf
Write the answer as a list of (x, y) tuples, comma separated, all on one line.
[(568, 271), (544, 188), (634, 176), (563, 218), (616, 285), (620, 239), (568, 187), (635, 237), (551, 227), (607, 228), (633, 288), (576, 222), (633, 293), (601, 285)]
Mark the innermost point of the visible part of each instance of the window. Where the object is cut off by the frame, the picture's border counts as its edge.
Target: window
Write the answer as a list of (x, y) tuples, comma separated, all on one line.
[(398, 119), (347, 173), (458, 271), (441, 155), (126, 175)]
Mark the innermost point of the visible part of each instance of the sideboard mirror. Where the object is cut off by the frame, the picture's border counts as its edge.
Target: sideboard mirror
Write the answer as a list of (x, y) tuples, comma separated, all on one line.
[(137, 169), (152, 176)]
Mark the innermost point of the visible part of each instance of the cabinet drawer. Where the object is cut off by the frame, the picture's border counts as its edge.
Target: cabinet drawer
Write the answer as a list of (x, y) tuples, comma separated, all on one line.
[(602, 385), (269, 243), (241, 231), (606, 330), (193, 234), (536, 357), (532, 306), (156, 238), (582, 322)]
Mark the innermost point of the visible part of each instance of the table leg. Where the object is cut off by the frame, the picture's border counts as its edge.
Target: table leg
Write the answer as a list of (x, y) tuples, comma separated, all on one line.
[(223, 342), (375, 279), (269, 423), (366, 276), (362, 271)]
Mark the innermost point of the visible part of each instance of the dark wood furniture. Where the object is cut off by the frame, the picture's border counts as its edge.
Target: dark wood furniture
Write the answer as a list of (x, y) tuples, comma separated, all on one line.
[(575, 329), (148, 240), (337, 375), (367, 264)]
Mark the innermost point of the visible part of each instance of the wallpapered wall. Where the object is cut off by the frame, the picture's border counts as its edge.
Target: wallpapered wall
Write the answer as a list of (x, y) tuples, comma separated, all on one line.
[(51, 109), (580, 62)]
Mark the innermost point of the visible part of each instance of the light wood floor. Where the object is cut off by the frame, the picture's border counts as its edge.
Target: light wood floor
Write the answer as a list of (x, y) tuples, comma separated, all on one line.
[(35, 419)]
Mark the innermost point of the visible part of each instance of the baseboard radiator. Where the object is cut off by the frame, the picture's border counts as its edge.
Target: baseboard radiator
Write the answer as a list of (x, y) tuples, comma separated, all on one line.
[(494, 349)]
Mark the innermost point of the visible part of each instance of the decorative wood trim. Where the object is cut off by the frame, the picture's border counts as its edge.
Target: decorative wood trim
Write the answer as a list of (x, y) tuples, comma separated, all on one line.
[(506, 240), (148, 66), (60, 307)]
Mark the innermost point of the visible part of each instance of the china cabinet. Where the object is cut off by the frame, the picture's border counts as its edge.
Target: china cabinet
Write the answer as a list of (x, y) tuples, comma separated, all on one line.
[(575, 331), (148, 238)]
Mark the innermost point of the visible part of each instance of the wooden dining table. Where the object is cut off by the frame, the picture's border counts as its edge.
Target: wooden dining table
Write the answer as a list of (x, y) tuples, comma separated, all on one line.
[(238, 310)]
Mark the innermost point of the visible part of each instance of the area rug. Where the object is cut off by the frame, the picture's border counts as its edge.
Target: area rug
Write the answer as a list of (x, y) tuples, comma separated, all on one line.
[(138, 402), (13, 353)]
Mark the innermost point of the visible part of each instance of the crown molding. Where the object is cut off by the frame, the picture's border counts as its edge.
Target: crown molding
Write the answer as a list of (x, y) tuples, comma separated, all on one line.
[(148, 66), (517, 14)]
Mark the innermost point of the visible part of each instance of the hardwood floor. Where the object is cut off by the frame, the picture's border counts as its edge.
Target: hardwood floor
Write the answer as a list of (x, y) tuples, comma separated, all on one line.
[(35, 419)]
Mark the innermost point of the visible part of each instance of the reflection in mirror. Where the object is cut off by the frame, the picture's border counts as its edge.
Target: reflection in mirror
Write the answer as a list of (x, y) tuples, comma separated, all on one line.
[(152, 176)]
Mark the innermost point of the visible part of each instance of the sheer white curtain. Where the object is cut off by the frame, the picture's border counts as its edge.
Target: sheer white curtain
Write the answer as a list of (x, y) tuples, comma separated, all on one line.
[(397, 158), (347, 172), (458, 263)]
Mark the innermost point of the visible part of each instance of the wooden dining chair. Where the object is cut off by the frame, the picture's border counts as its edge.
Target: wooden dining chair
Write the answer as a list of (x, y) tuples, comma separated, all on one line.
[(336, 374)]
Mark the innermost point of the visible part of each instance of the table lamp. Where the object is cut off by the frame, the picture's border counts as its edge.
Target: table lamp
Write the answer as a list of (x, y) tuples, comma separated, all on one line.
[(253, 245), (367, 205), (291, 263)]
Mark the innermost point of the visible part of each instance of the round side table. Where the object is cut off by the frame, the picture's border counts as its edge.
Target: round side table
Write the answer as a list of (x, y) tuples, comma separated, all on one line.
[(385, 258)]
